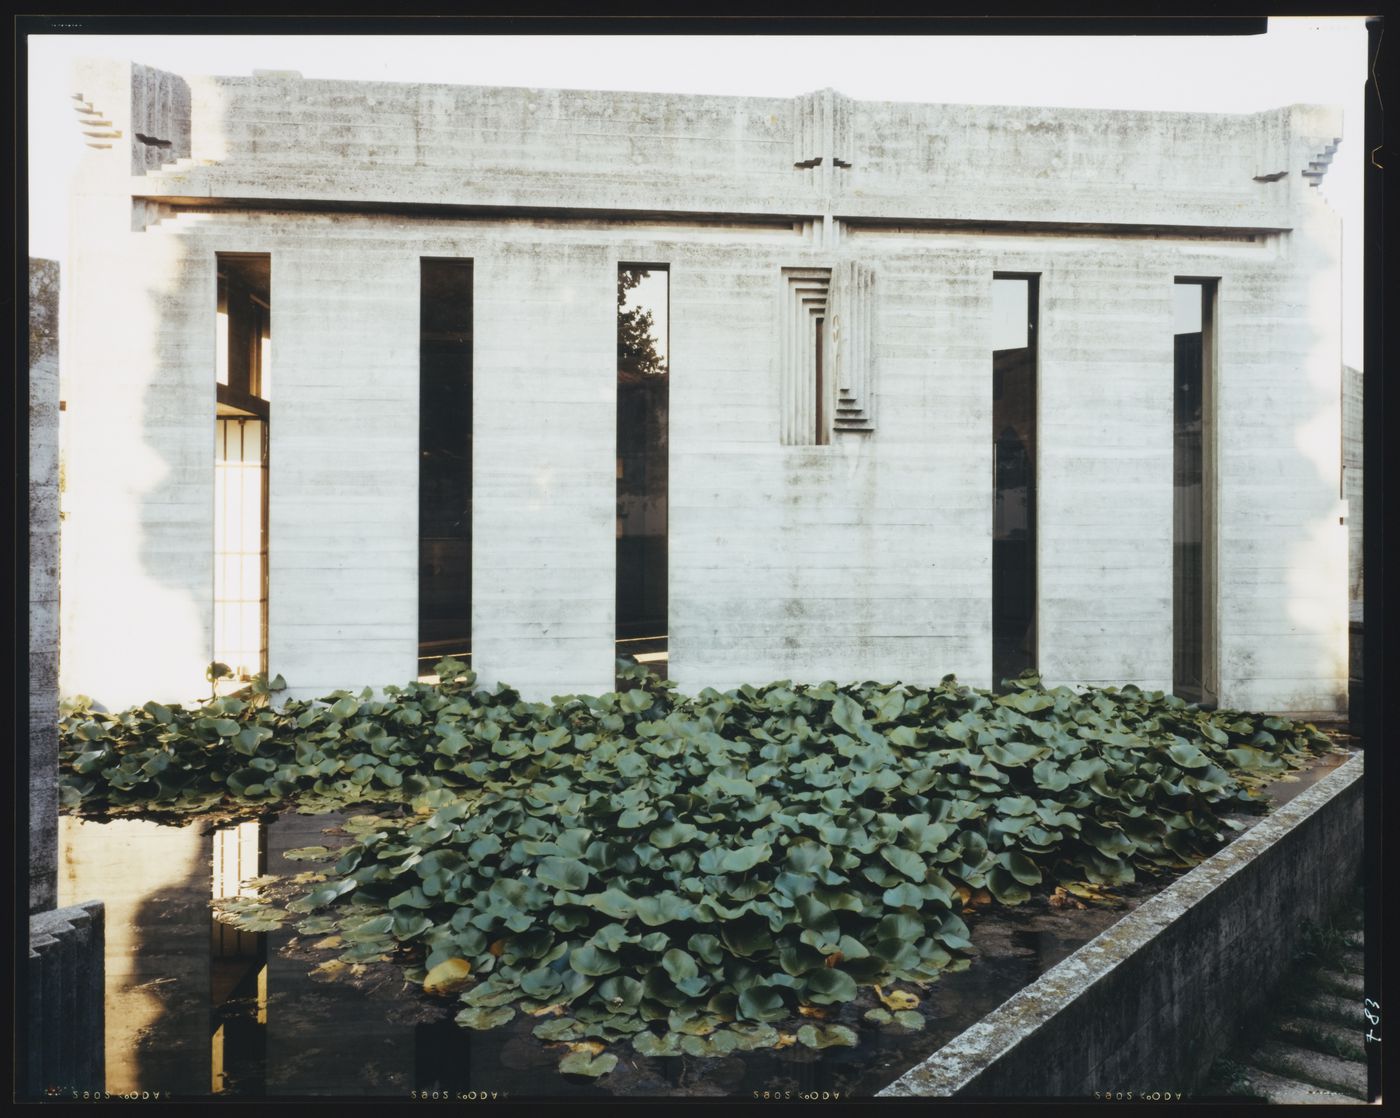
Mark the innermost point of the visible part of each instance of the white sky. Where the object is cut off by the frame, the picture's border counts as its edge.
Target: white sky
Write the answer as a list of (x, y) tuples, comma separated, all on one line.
[(1300, 60)]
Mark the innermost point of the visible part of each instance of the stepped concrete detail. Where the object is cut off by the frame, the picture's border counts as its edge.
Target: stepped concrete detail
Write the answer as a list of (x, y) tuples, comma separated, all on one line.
[(1301, 1030), (1280, 1089), (1342, 982), (1344, 1076), (1329, 1007), (1311, 1046)]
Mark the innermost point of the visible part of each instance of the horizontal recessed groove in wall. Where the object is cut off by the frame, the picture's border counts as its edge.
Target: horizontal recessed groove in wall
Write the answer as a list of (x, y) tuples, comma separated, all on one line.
[(878, 225), (460, 212), (783, 221)]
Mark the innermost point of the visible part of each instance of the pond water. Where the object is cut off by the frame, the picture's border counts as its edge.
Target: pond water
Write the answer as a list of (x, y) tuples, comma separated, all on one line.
[(195, 1008)]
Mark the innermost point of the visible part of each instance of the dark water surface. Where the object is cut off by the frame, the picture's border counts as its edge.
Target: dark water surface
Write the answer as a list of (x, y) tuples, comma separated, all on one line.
[(196, 1008)]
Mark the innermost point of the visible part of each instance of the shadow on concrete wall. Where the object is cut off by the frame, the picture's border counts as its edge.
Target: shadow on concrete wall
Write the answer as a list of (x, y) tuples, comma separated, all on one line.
[(154, 882)]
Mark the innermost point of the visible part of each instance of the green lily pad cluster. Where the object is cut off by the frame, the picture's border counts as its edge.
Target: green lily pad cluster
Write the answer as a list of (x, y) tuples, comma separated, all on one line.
[(692, 872)]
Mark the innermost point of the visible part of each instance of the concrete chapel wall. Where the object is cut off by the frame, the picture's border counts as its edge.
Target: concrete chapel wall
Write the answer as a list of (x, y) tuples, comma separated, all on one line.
[(1283, 539), (343, 459), (869, 558), (137, 453)]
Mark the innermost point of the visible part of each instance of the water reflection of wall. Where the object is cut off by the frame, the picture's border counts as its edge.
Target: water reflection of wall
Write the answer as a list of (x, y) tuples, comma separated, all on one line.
[(328, 1037), (154, 882)]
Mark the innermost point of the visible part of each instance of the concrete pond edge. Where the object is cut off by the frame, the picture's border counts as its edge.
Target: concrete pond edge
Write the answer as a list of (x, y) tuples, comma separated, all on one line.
[(1148, 1004)]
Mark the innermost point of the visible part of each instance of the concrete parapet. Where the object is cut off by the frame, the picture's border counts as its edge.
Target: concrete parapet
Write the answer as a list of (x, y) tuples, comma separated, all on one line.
[(1148, 1004)]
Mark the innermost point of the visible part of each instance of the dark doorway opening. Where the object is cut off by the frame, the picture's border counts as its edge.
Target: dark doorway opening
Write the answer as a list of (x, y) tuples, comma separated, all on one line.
[(1193, 542), (445, 463), (1016, 300)]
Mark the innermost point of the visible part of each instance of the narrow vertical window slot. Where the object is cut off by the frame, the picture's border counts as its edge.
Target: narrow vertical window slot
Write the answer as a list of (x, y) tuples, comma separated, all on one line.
[(221, 334), (807, 357), (243, 374), (1193, 510), (1015, 300), (643, 420), (445, 463)]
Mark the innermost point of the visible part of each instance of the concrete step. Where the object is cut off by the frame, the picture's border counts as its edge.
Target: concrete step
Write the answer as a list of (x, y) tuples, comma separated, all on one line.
[(1346, 1077), (1352, 960), (1340, 982), (1326, 1006), (1323, 1036), (1280, 1089)]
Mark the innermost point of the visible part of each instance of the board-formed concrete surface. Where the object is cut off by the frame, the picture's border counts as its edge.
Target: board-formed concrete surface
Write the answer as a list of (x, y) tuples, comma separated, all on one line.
[(869, 558), (43, 583), (1149, 1003)]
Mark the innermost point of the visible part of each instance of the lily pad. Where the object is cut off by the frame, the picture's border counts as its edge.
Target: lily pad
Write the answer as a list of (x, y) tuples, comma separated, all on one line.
[(826, 1036), (609, 865), (649, 1044), (582, 1063), (896, 1000), (310, 854), (448, 977), (484, 1017)]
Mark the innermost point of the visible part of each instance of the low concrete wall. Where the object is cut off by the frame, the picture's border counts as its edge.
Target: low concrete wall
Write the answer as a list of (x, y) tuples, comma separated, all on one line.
[(66, 1016), (1148, 1004)]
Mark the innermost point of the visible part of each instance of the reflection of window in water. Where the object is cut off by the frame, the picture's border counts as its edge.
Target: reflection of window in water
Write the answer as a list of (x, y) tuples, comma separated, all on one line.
[(237, 964)]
